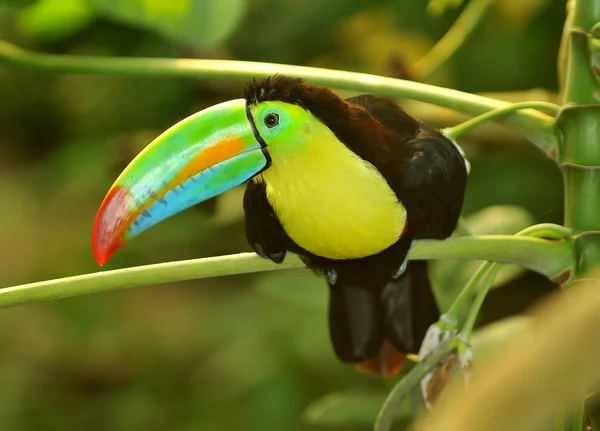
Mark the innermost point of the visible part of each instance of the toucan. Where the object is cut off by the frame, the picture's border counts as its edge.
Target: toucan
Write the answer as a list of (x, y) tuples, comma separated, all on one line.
[(346, 184)]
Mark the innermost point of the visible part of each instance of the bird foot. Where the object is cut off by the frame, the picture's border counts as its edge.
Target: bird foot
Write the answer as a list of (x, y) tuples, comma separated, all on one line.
[(332, 276), (402, 269)]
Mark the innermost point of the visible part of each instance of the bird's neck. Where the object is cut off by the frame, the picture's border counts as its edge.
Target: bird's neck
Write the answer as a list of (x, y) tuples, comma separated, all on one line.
[(331, 202)]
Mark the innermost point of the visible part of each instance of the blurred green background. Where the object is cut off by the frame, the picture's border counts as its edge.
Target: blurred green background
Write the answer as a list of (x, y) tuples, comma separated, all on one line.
[(234, 353)]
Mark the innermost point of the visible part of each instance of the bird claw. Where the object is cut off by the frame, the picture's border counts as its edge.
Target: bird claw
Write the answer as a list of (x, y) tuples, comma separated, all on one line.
[(403, 265), (459, 360), (332, 276), (402, 268)]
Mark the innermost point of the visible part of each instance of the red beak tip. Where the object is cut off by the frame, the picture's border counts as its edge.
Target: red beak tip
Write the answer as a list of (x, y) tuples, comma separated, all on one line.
[(110, 224), (100, 261), (103, 252), (100, 255)]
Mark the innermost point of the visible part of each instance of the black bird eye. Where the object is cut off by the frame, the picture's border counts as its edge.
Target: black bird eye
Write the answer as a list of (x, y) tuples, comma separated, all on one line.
[(271, 120)]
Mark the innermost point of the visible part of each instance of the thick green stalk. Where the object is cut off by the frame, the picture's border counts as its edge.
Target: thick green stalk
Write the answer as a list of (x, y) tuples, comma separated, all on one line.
[(536, 126), (551, 258), (579, 123)]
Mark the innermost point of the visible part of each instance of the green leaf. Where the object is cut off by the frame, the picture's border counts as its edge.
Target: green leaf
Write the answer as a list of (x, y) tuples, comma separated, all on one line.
[(200, 23), (351, 410), (51, 20)]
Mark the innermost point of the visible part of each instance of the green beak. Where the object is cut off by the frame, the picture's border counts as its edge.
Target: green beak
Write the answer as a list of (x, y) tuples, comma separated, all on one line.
[(198, 158)]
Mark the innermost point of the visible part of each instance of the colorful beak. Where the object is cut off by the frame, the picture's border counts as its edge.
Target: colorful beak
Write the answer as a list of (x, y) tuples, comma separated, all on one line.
[(198, 158)]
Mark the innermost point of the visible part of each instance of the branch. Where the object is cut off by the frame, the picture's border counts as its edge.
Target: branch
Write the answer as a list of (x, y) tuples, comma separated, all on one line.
[(388, 411), (543, 230), (453, 39), (534, 125), (459, 129), (551, 258)]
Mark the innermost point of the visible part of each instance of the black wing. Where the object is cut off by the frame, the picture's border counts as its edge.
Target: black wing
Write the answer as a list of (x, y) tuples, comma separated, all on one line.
[(430, 174), (263, 230), (431, 184)]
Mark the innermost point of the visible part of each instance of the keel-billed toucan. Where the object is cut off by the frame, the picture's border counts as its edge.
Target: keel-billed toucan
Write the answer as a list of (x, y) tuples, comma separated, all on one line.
[(345, 184)]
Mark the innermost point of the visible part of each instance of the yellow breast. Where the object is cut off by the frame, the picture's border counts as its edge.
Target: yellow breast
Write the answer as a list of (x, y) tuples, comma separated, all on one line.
[(331, 202)]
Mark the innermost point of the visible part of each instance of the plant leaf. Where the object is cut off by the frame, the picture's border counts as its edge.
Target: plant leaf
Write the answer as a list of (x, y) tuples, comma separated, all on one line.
[(200, 23)]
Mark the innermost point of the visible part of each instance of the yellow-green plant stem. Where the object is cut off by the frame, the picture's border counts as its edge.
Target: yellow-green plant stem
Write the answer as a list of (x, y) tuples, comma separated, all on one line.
[(535, 126), (544, 230), (453, 39), (456, 131), (490, 275), (451, 317), (551, 258), (387, 413)]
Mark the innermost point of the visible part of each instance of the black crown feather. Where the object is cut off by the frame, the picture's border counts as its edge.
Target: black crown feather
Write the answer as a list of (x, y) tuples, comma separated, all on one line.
[(276, 87)]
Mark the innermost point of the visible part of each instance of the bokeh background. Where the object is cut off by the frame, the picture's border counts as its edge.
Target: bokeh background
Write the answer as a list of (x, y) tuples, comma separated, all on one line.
[(240, 352)]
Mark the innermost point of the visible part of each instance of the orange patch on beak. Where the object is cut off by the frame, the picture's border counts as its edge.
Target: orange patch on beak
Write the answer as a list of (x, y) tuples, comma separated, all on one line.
[(222, 150)]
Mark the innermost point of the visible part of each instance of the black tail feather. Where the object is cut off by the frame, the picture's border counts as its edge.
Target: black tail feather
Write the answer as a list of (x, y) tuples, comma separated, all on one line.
[(409, 307), (375, 328), (355, 321)]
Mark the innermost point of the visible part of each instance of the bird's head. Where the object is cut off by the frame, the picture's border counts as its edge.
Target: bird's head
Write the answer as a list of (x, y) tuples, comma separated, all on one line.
[(211, 152)]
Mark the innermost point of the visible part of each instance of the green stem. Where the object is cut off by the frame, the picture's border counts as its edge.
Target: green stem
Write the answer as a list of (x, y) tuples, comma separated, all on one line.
[(492, 272), (551, 258), (452, 316), (388, 411), (580, 132), (456, 131), (580, 84), (543, 230), (579, 127), (453, 39), (104, 281), (536, 126)]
